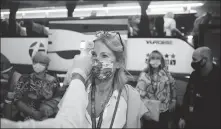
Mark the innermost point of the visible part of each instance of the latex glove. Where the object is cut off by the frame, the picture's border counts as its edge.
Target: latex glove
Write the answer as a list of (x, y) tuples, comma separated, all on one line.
[(82, 65), (172, 106), (182, 123)]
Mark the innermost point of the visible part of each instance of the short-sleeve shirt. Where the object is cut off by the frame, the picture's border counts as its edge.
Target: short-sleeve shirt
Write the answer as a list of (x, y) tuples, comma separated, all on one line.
[(33, 91), (158, 89), (169, 25)]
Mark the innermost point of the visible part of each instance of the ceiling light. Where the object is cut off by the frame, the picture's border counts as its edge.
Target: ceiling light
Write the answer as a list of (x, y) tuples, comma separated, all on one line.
[(176, 5), (63, 9)]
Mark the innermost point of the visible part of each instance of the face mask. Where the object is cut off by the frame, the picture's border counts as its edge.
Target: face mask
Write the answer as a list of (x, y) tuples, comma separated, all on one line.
[(38, 67), (155, 63), (197, 65), (102, 70)]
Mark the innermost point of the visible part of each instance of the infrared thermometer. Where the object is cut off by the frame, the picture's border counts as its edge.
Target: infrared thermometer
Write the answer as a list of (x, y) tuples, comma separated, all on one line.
[(86, 47)]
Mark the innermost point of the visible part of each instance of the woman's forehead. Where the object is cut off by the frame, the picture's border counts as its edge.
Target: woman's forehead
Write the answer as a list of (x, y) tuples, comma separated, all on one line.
[(100, 46), (39, 62), (155, 54)]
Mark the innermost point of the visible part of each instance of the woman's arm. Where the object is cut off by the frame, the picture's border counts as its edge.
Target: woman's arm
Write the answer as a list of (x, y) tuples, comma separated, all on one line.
[(173, 28), (141, 86), (71, 114)]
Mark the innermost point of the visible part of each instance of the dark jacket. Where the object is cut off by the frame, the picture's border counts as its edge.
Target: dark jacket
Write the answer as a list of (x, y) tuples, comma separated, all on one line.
[(203, 93)]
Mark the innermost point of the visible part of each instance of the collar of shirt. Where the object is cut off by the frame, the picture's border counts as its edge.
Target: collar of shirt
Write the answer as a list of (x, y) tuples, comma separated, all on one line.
[(111, 101), (114, 95)]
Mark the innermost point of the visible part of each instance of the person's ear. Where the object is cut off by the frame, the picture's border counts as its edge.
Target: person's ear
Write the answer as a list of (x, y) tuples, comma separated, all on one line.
[(203, 62)]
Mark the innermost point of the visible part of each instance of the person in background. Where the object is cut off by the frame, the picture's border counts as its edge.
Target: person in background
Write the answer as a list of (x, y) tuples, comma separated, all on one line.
[(12, 27), (106, 102), (4, 27), (20, 30), (35, 29), (6, 73), (139, 26), (6, 68), (204, 19), (133, 29), (156, 83), (201, 104), (170, 24), (31, 91)]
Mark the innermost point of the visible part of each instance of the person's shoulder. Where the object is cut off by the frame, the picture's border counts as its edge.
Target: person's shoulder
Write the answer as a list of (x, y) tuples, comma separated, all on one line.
[(144, 76), (194, 75), (50, 78), (142, 73), (129, 90), (216, 69), (172, 21)]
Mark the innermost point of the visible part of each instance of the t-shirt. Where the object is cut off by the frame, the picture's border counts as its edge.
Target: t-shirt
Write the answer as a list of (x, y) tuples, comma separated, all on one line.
[(169, 25)]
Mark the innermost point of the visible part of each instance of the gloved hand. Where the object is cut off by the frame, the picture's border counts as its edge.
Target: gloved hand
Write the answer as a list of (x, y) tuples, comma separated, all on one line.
[(82, 65)]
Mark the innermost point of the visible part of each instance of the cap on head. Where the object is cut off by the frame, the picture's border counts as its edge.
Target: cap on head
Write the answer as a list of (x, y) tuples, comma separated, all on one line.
[(41, 57)]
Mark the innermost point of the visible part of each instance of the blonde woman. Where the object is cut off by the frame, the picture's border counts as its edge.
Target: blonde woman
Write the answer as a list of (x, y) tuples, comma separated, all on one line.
[(106, 102), (156, 83)]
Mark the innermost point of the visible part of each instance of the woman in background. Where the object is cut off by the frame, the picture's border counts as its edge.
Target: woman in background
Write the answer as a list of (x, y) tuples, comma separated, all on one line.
[(33, 93), (156, 83)]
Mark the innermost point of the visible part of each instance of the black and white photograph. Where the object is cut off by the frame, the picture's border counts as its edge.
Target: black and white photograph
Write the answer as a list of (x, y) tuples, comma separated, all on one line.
[(148, 64)]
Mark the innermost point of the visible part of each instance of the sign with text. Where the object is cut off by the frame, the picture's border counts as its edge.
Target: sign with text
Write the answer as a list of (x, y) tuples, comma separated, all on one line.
[(177, 53)]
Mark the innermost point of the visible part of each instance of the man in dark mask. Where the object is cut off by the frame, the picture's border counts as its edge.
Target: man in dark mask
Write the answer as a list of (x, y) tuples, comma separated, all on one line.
[(201, 104)]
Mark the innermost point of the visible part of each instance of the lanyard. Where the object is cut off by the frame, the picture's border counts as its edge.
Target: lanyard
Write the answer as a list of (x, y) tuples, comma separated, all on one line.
[(93, 111)]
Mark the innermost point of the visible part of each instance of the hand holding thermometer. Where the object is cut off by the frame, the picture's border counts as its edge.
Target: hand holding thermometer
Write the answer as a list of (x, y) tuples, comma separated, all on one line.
[(86, 47)]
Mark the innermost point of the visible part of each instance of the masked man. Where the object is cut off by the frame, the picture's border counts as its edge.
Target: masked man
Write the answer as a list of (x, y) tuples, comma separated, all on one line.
[(201, 106)]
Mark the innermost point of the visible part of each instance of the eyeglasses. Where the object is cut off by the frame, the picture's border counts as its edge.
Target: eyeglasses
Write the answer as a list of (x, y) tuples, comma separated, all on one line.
[(109, 34)]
